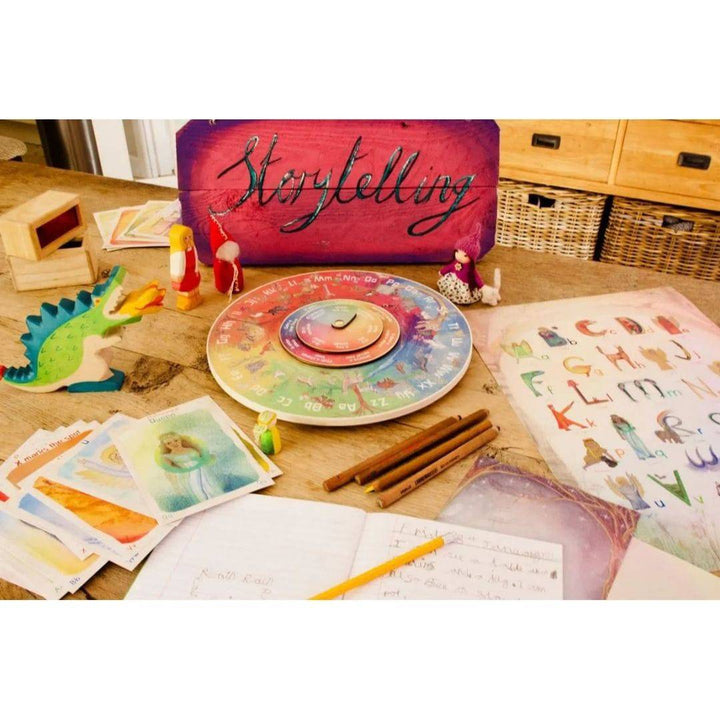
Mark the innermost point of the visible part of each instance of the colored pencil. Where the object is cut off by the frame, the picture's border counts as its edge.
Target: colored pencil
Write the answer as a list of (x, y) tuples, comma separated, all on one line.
[(402, 454), (387, 498), (412, 444), (429, 456), (385, 567)]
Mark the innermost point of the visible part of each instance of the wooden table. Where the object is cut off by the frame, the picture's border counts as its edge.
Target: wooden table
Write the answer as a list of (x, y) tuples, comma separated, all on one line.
[(164, 358)]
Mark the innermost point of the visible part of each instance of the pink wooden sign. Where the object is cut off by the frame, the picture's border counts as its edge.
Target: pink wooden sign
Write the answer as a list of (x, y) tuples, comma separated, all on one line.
[(339, 191)]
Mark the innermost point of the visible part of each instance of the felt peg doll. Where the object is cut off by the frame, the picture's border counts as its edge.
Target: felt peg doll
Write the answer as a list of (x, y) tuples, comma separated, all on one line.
[(227, 269), (459, 280), (184, 267)]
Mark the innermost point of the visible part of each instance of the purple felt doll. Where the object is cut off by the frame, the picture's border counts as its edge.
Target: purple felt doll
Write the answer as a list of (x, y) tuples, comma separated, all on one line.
[(460, 282)]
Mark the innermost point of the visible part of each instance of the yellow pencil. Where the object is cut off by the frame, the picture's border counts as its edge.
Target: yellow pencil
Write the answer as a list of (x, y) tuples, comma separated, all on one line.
[(386, 567)]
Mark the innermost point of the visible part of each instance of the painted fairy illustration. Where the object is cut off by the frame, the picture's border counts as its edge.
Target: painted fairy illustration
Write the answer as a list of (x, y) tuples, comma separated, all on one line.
[(184, 461), (629, 488), (628, 433)]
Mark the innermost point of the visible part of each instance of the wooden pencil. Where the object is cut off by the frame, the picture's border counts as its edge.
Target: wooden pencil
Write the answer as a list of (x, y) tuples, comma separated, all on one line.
[(386, 567), (418, 462), (387, 498), (412, 444), (401, 454)]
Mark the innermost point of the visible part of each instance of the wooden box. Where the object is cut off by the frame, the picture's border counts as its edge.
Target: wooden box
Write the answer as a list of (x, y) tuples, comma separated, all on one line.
[(38, 227), (339, 191), (73, 264)]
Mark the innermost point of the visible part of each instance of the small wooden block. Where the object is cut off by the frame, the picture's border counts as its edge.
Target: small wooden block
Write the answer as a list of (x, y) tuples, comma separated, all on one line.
[(38, 227), (67, 266)]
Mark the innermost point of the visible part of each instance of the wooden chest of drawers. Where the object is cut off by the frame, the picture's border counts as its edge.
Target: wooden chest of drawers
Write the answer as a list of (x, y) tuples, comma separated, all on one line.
[(669, 161)]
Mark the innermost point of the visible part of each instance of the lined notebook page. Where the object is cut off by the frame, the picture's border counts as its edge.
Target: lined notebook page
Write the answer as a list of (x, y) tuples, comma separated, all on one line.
[(481, 565), (254, 548)]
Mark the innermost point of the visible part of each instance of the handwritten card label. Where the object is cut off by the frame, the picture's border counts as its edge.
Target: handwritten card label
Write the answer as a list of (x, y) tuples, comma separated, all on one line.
[(262, 548)]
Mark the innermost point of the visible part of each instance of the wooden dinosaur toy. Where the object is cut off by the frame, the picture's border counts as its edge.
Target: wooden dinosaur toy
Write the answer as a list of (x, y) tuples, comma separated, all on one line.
[(69, 344)]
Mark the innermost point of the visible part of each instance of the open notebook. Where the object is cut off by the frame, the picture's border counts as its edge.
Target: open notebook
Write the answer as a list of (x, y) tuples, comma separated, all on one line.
[(261, 547)]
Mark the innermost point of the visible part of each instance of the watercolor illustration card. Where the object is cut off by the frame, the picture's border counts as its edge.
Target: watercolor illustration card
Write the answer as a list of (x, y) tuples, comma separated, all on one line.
[(621, 392), (154, 221), (96, 468), (108, 221), (19, 455), (88, 524), (18, 573), (187, 459), (265, 463), (45, 554), (118, 529), (119, 238), (594, 534), (30, 509), (53, 446), (80, 517)]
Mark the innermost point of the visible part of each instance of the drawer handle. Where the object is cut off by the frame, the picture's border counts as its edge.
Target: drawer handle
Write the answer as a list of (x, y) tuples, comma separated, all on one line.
[(677, 224), (551, 142), (694, 161), (540, 201)]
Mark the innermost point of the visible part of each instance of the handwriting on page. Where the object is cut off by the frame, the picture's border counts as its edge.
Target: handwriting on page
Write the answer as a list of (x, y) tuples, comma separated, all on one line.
[(217, 584), (257, 548), (479, 565)]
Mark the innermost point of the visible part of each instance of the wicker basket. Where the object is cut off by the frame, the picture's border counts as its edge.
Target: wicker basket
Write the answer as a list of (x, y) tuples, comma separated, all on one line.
[(547, 219), (664, 238)]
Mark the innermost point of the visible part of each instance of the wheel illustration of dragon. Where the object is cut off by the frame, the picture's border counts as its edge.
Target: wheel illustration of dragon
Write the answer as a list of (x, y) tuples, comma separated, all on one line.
[(69, 344)]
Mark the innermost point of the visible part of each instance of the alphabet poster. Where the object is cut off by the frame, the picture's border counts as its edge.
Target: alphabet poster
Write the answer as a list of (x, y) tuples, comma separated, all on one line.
[(622, 394)]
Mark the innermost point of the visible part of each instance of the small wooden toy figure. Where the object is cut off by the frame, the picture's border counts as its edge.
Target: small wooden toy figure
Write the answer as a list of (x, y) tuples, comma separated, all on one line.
[(460, 282), (184, 267), (266, 433), (226, 260), (69, 344)]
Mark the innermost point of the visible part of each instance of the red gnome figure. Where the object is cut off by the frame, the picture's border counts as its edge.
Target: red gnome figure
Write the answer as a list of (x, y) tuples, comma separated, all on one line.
[(226, 260)]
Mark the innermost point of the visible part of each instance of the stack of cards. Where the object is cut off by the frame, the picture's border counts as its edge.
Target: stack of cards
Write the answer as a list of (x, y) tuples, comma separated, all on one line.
[(74, 499), (140, 226)]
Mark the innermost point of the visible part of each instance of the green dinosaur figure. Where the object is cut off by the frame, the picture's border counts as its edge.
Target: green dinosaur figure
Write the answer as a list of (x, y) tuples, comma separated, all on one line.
[(68, 344)]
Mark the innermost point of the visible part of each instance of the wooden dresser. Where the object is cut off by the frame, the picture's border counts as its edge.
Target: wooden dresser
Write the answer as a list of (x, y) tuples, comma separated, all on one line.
[(668, 161)]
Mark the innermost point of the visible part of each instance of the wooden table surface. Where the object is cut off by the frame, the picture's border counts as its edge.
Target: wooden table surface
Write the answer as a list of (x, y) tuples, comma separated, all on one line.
[(164, 358)]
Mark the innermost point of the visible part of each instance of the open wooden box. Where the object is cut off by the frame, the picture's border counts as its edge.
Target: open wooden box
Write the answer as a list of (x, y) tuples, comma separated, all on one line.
[(40, 226), (44, 240)]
